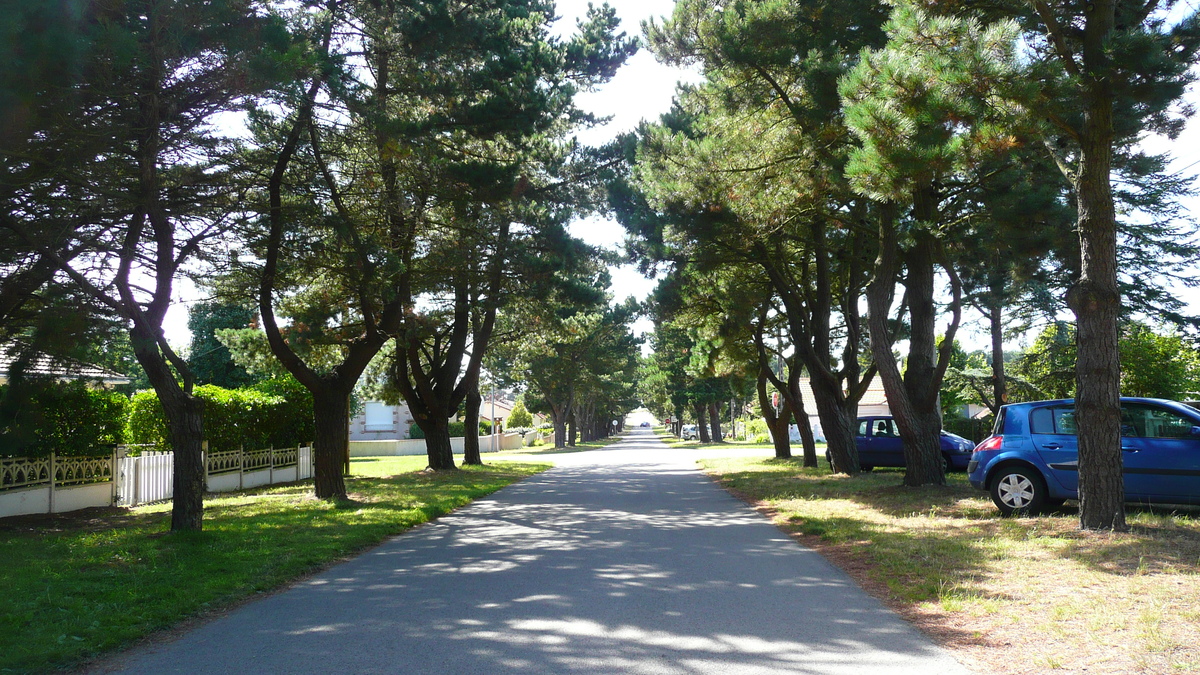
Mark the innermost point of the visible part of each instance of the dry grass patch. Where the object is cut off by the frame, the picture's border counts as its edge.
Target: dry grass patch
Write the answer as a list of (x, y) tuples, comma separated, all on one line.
[(1009, 595)]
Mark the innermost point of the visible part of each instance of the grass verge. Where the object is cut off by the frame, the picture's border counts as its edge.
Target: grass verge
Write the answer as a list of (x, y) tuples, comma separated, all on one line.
[(79, 584), (1007, 594)]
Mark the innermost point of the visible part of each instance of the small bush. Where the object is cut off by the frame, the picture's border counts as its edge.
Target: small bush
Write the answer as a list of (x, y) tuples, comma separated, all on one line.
[(41, 416), (520, 417), (757, 428)]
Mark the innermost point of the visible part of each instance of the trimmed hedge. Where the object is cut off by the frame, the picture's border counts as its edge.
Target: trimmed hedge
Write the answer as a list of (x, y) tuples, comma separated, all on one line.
[(40, 416), (247, 417), (970, 429)]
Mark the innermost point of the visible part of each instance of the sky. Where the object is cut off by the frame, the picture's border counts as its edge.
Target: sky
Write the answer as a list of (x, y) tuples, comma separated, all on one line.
[(643, 90)]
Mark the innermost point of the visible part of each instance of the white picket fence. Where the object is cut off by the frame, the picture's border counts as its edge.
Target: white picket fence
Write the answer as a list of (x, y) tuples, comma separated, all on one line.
[(59, 484), (149, 477), (146, 478)]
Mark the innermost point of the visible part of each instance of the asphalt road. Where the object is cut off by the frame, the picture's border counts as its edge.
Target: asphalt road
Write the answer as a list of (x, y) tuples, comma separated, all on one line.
[(622, 560)]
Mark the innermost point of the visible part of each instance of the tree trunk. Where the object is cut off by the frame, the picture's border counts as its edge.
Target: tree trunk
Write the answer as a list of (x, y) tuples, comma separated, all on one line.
[(698, 410), (999, 383), (839, 435), (839, 417), (781, 437), (587, 415), (437, 442), (331, 408), (807, 442), (913, 396), (1096, 299), (775, 422), (185, 425), (572, 431), (471, 441), (920, 423), (185, 421), (560, 429), (714, 421)]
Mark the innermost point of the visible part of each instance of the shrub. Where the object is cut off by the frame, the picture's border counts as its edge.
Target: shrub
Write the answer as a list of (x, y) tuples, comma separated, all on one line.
[(971, 429), (293, 423), (520, 417), (757, 428), (41, 416), (250, 418)]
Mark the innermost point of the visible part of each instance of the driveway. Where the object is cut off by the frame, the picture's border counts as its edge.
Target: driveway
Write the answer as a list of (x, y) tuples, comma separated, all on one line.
[(621, 560)]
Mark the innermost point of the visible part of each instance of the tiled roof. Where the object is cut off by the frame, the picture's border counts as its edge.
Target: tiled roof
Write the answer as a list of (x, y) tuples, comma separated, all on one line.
[(61, 368), (873, 396)]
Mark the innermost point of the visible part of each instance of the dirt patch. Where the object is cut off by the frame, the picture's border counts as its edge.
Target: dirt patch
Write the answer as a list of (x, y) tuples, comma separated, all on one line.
[(94, 519)]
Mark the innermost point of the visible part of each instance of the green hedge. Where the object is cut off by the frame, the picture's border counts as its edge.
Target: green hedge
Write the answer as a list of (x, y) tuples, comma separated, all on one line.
[(970, 429), (38, 417), (247, 417)]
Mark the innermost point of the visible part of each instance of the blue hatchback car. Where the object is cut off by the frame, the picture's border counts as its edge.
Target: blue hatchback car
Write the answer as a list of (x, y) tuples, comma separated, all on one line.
[(878, 443), (1031, 460)]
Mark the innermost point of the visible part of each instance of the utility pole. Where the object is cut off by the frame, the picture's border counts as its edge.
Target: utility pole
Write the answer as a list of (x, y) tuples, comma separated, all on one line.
[(493, 429)]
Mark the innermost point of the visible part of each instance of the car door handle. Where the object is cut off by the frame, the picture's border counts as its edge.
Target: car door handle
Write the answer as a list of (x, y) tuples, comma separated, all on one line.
[(1052, 446)]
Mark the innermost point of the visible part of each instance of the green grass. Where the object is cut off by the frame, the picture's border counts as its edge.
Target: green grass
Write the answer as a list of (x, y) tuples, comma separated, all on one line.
[(79, 585), (1038, 590)]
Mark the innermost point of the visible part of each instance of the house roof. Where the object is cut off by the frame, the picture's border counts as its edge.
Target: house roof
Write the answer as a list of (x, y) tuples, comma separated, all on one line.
[(503, 408), (875, 395), (61, 368)]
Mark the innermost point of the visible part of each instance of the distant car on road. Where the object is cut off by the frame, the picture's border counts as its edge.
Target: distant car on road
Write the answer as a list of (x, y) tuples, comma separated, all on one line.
[(878, 443), (644, 425), (1031, 461)]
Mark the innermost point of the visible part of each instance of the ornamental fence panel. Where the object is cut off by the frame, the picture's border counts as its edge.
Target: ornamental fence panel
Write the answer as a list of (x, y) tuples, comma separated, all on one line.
[(55, 484)]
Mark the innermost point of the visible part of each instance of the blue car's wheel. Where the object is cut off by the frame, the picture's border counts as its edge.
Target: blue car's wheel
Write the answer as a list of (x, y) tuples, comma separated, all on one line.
[(1019, 490)]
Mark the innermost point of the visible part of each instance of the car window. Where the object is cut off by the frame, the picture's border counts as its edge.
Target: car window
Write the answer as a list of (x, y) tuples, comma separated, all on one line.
[(1153, 422), (893, 430), (998, 428), (862, 427), (1059, 420), (1064, 421), (1041, 421)]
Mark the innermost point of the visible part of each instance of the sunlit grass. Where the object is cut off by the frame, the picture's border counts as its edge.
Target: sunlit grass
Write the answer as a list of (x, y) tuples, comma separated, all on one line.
[(74, 588), (1029, 590)]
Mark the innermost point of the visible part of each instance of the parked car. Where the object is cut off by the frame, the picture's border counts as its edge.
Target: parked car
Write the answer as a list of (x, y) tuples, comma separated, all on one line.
[(689, 433), (878, 443), (1031, 460)]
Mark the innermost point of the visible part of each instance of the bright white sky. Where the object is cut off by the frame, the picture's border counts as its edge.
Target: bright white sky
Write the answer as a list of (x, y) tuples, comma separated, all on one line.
[(643, 90)]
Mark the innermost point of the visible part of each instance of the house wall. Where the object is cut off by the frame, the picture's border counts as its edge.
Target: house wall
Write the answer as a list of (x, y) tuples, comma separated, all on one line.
[(397, 428)]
